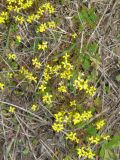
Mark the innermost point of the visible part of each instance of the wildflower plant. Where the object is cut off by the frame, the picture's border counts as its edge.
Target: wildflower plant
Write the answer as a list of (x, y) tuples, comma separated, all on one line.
[(54, 80)]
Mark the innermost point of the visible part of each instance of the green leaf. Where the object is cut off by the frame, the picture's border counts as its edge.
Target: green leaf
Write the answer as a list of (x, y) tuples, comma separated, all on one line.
[(92, 15), (106, 150), (118, 77), (25, 151), (91, 130), (118, 36), (88, 16), (109, 155), (92, 48), (86, 64), (115, 142), (13, 28)]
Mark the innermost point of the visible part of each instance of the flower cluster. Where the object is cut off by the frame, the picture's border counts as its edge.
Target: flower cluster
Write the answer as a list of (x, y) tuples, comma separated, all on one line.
[(59, 117), (85, 152), (72, 136), (42, 46), (47, 98), (12, 56), (82, 84), (19, 19), (48, 72), (105, 136), (57, 127), (42, 87), (78, 118), (18, 5), (46, 7), (69, 117), (100, 124), (98, 138), (3, 17), (66, 72), (44, 26), (62, 87), (36, 63), (34, 107), (94, 140), (28, 75)]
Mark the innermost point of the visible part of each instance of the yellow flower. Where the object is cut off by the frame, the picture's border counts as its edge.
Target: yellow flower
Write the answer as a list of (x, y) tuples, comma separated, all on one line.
[(105, 137), (73, 103), (56, 69), (85, 85), (66, 56), (2, 20), (48, 68), (40, 11), (3, 17), (100, 124), (79, 84), (46, 76), (10, 7), (23, 71), (10, 75), (66, 74), (62, 89), (72, 137), (81, 152), (36, 63), (85, 152), (51, 24), (42, 46), (34, 107), (74, 35), (94, 140), (57, 127), (19, 19), (12, 56), (12, 109), (30, 77), (42, 28), (66, 65), (48, 7), (42, 87), (16, 9), (31, 18), (77, 118), (91, 91), (66, 119), (18, 38), (90, 154), (27, 4), (2, 86), (59, 116), (47, 98), (86, 115)]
